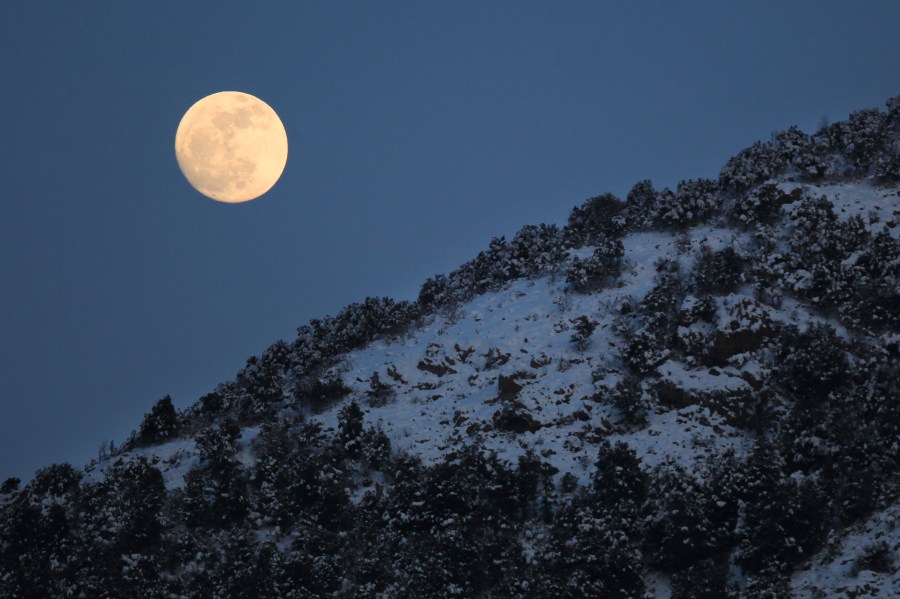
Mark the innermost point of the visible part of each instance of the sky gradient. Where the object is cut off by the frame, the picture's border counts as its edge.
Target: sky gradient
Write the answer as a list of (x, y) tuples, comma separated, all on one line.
[(417, 131)]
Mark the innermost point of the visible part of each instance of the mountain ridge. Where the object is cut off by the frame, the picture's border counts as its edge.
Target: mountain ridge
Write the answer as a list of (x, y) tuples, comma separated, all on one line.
[(688, 393)]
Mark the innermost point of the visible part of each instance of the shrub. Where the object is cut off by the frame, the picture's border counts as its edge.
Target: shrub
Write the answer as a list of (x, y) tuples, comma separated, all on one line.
[(10, 485), (783, 520), (887, 168), (629, 399), (876, 557), (56, 480), (706, 579), (815, 230), (768, 584), (584, 328), (750, 167), (604, 264), (211, 404), (489, 269), (215, 498), (718, 272), (433, 293), (160, 425), (647, 348), (703, 309), (599, 217), (619, 483), (259, 385), (760, 206), (127, 505), (535, 250), (874, 277), (379, 392), (591, 556), (319, 394), (376, 448), (217, 445), (811, 363), (693, 202), (679, 529), (350, 428), (641, 204), (860, 139)]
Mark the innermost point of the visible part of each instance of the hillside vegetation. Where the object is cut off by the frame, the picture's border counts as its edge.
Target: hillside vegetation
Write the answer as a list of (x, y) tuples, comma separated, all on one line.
[(687, 393)]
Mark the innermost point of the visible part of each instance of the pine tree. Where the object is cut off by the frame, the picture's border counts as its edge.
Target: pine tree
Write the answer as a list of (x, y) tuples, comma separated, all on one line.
[(160, 425)]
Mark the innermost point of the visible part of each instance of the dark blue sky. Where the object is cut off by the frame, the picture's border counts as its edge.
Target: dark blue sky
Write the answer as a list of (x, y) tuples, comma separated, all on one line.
[(417, 131)]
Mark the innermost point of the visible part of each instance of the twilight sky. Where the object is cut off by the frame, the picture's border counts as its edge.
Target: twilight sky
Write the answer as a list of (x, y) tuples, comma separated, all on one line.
[(417, 131)]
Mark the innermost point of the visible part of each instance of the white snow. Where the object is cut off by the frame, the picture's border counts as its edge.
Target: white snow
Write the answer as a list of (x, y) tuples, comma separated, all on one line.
[(877, 206), (525, 323), (835, 572), (444, 378)]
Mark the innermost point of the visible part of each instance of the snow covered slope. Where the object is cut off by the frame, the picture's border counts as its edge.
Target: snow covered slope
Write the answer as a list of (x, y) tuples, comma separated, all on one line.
[(441, 379), (689, 393)]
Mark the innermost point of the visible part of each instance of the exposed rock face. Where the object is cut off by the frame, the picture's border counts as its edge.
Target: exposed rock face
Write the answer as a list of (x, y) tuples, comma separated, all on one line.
[(435, 369), (540, 361), (494, 358), (514, 417), (726, 345), (508, 387), (727, 394), (741, 327)]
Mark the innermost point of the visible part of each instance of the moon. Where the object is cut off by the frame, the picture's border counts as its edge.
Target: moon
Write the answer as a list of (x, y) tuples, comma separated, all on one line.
[(231, 147)]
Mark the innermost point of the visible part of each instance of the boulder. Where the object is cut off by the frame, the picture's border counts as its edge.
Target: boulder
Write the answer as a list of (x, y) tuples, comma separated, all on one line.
[(508, 387), (435, 369), (514, 417), (741, 327)]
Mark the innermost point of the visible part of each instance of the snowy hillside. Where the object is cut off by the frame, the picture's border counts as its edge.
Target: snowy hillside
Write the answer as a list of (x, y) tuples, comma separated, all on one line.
[(858, 563), (688, 393)]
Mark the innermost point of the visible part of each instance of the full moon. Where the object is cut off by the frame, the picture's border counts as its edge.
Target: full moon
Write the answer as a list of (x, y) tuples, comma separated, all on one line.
[(231, 147)]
